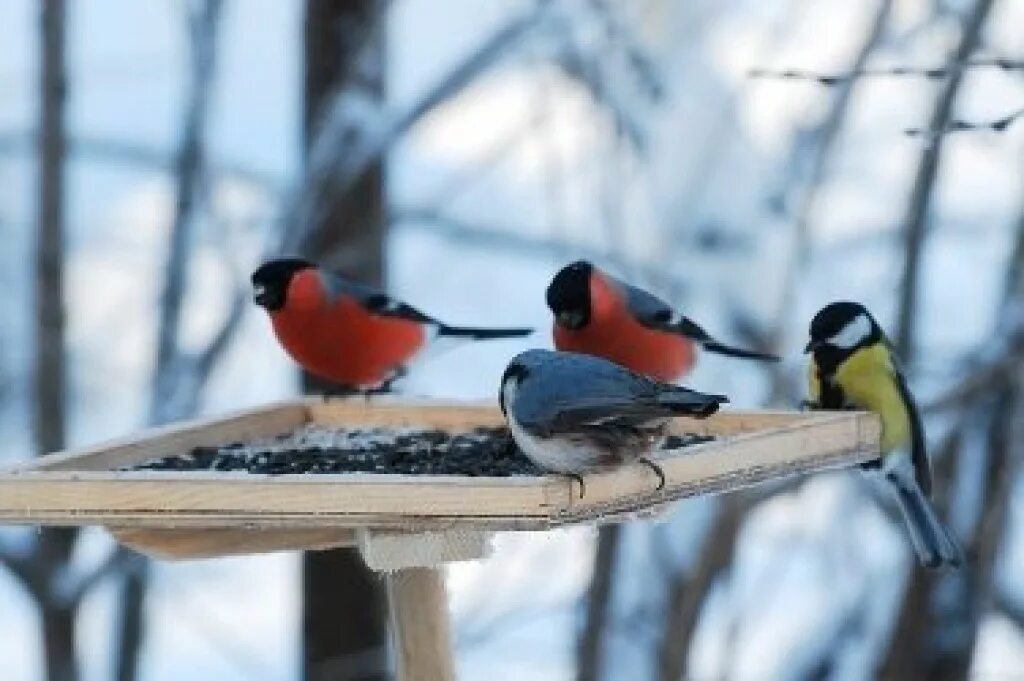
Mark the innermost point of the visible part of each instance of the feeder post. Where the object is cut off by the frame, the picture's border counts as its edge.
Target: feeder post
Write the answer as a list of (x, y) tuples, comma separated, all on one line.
[(418, 608)]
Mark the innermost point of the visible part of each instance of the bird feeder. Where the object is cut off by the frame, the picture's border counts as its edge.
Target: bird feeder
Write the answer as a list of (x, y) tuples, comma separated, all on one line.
[(405, 525)]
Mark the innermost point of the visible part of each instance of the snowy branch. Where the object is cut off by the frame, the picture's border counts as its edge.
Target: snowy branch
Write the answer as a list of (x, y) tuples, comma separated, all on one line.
[(355, 132), (958, 125), (134, 154), (20, 565), (915, 223), (120, 561), (504, 240), (937, 73)]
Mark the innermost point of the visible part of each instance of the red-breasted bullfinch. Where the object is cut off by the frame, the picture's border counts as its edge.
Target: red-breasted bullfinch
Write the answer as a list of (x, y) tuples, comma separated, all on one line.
[(573, 413), (599, 315), (853, 367), (352, 335)]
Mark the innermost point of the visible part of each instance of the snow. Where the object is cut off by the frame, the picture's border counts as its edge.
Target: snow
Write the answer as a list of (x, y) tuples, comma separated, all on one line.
[(827, 543)]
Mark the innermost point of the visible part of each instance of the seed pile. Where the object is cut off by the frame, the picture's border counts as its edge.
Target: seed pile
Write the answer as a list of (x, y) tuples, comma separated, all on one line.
[(489, 452)]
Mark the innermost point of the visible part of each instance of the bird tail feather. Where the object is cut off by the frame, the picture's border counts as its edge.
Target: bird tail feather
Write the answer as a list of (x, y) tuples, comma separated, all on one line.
[(691, 403), (729, 351), (932, 542), (445, 331)]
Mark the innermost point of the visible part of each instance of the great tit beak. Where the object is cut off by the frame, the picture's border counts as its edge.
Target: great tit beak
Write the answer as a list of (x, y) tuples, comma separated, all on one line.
[(259, 295), (812, 345)]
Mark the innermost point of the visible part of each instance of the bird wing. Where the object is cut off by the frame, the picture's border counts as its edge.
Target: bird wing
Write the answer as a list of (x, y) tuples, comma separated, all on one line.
[(374, 300), (654, 313), (918, 452), (582, 393)]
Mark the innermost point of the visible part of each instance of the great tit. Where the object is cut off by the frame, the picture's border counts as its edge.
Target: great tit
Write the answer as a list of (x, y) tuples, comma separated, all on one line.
[(853, 366)]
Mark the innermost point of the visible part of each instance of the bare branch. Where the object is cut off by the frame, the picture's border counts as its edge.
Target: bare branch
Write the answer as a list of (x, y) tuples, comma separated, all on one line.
[(915, 223), (590, 648), (207, 359), (512, 242), (118, 562), (134, 154), (20, 565), (355, 132), (937, 73), (959, 125), (203, 28)]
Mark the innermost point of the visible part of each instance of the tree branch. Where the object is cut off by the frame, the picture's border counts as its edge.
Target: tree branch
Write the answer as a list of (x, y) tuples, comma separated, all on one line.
[(1001, 124), (936, 73), (139, 155), (119, 561), (435, 221), (915, 222), (354, 131)]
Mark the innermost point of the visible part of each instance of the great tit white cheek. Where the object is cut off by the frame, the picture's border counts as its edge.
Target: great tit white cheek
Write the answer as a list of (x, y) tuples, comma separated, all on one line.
[(855, 331)]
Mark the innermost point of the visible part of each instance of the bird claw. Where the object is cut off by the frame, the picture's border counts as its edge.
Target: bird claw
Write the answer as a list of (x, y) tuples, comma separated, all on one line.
[(577, 478), (657, 471)]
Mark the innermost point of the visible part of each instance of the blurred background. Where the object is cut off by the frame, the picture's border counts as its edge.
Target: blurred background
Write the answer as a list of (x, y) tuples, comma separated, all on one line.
[(151, 153)]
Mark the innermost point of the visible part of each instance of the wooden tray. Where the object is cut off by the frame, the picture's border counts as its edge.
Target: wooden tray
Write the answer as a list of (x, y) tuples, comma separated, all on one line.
[(191, 513)]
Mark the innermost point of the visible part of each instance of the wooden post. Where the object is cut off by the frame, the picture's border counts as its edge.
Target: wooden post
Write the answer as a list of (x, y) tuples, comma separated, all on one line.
[(418, 608)]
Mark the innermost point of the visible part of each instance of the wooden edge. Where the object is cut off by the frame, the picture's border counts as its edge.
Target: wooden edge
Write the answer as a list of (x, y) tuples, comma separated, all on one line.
[(83, 497), (834, 437), (280, 417), (175, 438), (195, 543), (467, 415)]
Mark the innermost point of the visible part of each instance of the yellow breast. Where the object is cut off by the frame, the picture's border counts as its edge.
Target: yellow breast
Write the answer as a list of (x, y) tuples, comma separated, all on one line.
[(868, 380)]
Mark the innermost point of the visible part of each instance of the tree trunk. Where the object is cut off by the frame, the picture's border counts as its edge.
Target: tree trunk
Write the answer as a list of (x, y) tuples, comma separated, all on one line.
[(344, 625), (59, 642), (915, 224), (55, 546), (589, 651)]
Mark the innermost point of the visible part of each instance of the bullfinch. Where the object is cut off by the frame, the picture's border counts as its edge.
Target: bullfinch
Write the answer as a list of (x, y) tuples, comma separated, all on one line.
[(351, 335), (599, 315)]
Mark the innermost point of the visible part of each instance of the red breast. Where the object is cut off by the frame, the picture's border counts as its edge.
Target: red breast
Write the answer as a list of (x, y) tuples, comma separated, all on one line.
[(337, 339), (613, 333)]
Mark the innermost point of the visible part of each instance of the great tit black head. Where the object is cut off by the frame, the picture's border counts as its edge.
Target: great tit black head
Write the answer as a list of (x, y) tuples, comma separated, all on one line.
[(568, 295), (840, 328), (270, 281)]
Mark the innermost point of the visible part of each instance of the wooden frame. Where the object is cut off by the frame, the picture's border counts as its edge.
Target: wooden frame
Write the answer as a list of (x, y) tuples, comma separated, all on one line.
[(212, 513)]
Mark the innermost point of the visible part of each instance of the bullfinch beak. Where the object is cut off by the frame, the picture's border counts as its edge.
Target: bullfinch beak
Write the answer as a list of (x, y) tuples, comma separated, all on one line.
[(259, 295)]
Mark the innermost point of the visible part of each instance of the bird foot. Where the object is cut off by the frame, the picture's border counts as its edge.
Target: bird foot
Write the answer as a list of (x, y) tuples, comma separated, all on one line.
[(577, 478), (657, 471)]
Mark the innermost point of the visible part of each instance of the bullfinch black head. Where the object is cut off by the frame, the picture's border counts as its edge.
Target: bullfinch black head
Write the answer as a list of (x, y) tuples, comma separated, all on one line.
[(840, 328), (568, 295), (270, 281)]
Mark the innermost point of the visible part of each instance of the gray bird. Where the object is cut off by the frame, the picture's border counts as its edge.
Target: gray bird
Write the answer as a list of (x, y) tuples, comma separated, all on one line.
[(573, 414)]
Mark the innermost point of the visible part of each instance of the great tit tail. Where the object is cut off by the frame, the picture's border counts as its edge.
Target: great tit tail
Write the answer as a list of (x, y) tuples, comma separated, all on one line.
[(932, 542)]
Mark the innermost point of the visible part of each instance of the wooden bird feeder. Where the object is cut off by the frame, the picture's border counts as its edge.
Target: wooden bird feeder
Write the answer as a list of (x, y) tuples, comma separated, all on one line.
[(404, 525)]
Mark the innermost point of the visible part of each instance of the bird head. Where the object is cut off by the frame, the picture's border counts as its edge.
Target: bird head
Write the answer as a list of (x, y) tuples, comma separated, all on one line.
[(841, 328), (568, 295), (518, 369), (271, 279)]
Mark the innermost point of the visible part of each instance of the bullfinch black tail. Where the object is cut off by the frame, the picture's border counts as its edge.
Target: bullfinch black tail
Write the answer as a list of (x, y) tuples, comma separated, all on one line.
[(690, 403), (445, 331), (932, 542), (720, 349)]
